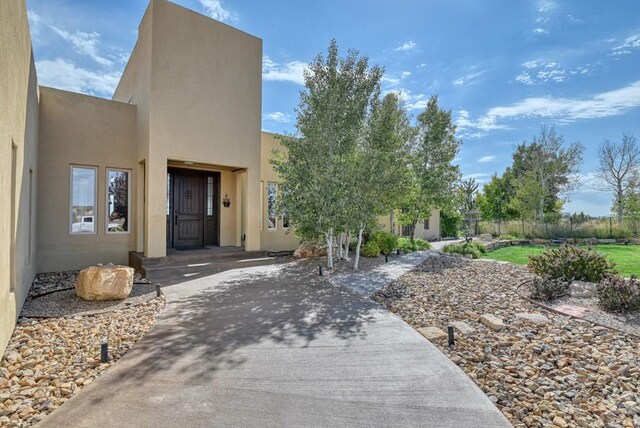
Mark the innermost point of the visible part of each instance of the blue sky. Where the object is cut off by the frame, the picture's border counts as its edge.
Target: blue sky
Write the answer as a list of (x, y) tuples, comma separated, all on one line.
[(503, 67)]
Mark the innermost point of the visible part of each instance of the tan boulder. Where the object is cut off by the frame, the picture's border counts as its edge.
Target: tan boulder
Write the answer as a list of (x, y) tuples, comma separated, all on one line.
[(309, 249), (493, 322), (112, 282), (432, 333)]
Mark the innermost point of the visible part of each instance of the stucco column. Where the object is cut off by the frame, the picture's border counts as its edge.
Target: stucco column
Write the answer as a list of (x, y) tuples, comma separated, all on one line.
[(251, 202), (155, 208)]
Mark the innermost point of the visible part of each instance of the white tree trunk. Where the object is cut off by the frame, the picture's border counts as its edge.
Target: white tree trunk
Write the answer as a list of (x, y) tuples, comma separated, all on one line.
[(340, 243), (330, 249), (392, 222), (356, 259), (619, 195), (347, 242)]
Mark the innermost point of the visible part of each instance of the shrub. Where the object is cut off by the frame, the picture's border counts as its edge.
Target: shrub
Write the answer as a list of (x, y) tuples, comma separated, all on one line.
[(370, 249), (618, 294), (569, 262), (408, 245), (472, 248), (548, 288), (386, 241)]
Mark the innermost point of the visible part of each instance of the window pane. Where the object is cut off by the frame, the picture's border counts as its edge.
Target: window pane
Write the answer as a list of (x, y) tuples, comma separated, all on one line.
[(83, 199), (209, 196), (285, 217), (117, 201), (271, 205), (168, 193)]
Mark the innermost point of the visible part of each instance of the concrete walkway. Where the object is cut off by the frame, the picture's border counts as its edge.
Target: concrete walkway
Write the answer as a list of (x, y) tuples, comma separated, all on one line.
[(278, 346), (369, 282)]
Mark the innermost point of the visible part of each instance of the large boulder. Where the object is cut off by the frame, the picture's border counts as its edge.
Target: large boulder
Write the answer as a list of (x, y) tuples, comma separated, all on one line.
[(309, 249), (583, 289), (486, 237), (111, 282)]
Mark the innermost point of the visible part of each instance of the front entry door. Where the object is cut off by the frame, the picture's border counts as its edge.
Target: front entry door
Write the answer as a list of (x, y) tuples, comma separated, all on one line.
[(188, 209)]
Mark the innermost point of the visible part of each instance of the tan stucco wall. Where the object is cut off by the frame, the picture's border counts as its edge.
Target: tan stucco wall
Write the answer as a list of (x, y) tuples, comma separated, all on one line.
[(78, 129), (204, 105), (384, 223), (279, 239), (135, 87), (19, 129)]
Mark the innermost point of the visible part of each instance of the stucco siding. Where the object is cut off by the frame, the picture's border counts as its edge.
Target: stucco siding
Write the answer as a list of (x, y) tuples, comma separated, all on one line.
[(18, 164), (82, 130), (280, 238)]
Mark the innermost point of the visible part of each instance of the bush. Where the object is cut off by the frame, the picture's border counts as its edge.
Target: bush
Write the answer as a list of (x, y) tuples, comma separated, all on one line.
[(370, 249), (408, 245), (386, 241), (472, 248), (569, 262), (618, 294), (548, 288)]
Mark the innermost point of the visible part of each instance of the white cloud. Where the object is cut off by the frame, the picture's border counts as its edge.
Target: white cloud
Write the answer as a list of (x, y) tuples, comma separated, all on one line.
[(485, 159), (216, 10), (292, 71), (561, 110), (85, 43), (546, 6), (411, 101), (405, 74), (480, 177), (468, 78), (628, 45), (60, 73), (540, 31), (278, 116), (406, 46), (540, 71)]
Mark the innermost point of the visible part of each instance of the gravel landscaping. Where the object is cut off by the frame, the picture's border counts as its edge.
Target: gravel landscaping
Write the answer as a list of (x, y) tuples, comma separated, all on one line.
[(539, 368), (48, 360)]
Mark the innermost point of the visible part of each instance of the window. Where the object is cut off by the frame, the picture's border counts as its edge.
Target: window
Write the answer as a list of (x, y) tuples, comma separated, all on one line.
[(209, 196), (426, 224), (118, 185), (168, 193), (83, 199), (12, 237), (286, 224), (30, 214), (272, 189)]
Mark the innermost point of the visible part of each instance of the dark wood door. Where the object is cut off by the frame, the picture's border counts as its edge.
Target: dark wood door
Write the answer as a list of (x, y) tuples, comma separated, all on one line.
[(188, 209)]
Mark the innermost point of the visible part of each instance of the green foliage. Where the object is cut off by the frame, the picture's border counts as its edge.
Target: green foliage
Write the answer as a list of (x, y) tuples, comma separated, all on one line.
[(472, 248), (494, 201), (386, 241), (618, 294), (569, 262), (450, 222), (543, 288), (370, 249), (408, 245), (434, 176), (542, 172)]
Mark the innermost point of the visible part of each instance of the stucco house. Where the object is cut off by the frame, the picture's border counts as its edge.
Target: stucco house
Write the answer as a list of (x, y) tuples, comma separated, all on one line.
[(175, 160)]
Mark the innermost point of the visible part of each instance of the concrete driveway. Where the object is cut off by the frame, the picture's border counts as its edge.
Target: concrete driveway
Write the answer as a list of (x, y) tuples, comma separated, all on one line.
[(278, 346)]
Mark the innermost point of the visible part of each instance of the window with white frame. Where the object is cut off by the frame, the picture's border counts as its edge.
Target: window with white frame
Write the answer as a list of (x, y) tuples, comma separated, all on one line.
[(272, 219), (118, 200), (82, 216), (286, 222)]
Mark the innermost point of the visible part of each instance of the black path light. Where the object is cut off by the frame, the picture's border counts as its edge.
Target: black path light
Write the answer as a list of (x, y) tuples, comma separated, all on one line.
[(451, 338), (104, 352)]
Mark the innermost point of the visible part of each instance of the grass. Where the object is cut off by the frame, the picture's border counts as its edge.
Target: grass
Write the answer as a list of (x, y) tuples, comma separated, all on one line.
[(626, 257)]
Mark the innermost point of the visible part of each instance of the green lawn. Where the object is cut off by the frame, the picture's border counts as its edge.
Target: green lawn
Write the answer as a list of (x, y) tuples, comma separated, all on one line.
[(626, 257)]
